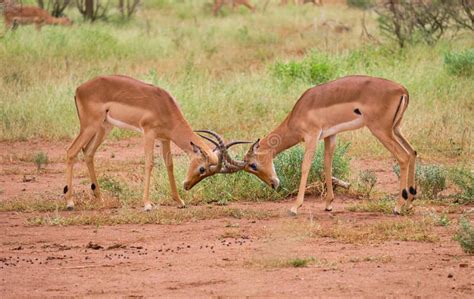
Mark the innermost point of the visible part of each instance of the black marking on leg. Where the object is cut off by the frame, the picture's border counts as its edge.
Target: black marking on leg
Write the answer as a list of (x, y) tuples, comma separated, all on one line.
[(65, 189), (412, 191), (416, 154), (93, 186), (357, 111), (405, 194)]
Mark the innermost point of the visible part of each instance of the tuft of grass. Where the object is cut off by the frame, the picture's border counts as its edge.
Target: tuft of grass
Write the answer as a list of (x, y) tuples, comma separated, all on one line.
[(41, 159), (393, 230), (157, 216), (465, 235), (118, 189), (430, 178), (300, 262), (366, 182), (460, 63), (384, 206)]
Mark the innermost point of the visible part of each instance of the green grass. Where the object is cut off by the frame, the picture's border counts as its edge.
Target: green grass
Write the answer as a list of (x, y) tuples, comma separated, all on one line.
[(224, 66)]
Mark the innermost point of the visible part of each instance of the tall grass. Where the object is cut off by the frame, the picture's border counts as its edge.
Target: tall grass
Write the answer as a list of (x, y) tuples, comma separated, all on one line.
[(224, 66)]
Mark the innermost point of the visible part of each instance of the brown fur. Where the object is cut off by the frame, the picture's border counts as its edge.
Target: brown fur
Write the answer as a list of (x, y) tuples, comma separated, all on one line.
[(24, 15), (218, 5)]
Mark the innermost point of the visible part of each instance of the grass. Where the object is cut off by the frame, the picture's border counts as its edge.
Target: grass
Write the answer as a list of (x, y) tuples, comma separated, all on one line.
[(290, 262), (157, 216), (392, 230), (465, 235), (384, 206)]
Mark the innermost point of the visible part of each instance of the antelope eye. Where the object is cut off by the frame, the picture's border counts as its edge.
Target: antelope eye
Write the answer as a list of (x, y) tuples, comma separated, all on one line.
[(253, 166), (202, 170)]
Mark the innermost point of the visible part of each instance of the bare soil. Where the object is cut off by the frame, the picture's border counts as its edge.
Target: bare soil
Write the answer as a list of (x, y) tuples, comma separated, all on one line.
[(223, 256)]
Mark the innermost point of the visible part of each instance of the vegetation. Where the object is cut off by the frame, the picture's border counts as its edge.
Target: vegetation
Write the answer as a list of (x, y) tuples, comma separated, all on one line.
[(465, 235), (463, 178), (460, 63), (366, 182), (41, 159), (430, 178)]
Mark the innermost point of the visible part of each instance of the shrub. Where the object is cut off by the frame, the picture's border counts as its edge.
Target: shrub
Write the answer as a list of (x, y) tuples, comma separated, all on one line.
[(41, 159), (430, 178), (464, 179), (366, 182), (315, 68), (362, 4), (465, 235), (460, 63)]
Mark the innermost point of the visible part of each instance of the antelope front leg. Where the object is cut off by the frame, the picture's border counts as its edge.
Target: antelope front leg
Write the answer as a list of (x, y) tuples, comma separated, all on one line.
[(149, 140), (168, 159), (310, 149), (329, 147)]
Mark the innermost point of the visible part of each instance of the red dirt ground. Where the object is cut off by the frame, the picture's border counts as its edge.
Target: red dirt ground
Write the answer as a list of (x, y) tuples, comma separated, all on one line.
[(218, 257)]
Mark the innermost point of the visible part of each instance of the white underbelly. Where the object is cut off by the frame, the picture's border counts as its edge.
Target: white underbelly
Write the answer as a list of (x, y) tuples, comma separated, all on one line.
[(347, 126), (121, 124)]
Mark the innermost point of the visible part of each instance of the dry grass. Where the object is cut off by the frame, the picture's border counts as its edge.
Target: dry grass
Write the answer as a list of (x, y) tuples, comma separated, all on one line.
[(379, 232), (157, 216)]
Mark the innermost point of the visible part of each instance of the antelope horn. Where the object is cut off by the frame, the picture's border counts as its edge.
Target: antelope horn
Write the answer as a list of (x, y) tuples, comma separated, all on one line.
[(230, 144), (234, 163), (211, 141), (219, 144)]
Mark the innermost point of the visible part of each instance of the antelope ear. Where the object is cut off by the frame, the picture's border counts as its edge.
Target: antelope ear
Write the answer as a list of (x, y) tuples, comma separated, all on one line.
[(255, 145), (252, 148), (198, 150)]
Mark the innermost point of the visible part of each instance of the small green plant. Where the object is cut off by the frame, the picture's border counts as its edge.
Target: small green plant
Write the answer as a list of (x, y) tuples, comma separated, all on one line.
[(118, 189), (464, 179), (384, 206), (439, 219), (315, 68), (430, 178), (300, 262), (366, 182), (460, 63), (41, 159), (465, 235)]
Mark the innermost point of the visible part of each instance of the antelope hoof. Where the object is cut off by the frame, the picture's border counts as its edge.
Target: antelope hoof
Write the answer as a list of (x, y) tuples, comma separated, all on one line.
[(182, 206), (328, 209), (293, 211), (396, 212), (70, 207), (147, 207)]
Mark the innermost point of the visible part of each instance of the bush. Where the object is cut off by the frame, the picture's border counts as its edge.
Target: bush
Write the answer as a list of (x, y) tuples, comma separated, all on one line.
[(430, 178), (315, 68), (465, 235), (366, 182), (460, 63), (41, 159), (464, 179)]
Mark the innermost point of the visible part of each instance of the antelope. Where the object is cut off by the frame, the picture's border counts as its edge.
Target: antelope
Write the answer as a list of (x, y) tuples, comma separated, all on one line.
[(23, 15), (108, 101), (325, 110), (218, 4), (315, 2)]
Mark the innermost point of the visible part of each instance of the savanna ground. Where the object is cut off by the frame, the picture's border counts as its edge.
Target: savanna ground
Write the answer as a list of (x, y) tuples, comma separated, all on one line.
[(235, 238)]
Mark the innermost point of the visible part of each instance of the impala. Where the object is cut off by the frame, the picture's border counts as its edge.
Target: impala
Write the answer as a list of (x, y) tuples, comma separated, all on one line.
[(124, 102), (218, 4), (325, 110), (23, 15)]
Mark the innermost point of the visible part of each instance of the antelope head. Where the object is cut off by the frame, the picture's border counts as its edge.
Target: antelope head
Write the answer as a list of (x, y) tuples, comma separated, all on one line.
[(201, 167), (260, 163)]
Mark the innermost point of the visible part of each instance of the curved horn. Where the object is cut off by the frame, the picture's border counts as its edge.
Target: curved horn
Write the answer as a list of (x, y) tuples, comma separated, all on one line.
[(220, 145), (211, 141), (236, 164)]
